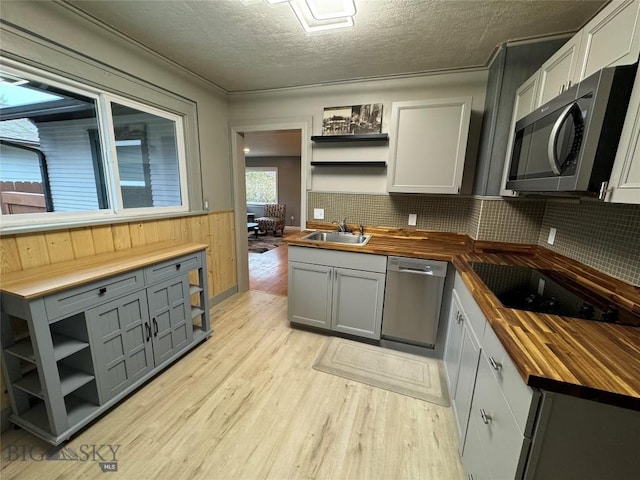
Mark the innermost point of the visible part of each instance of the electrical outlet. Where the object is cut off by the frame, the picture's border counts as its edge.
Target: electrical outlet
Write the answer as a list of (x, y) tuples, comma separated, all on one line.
[(318, 213), (552, 236), (413, 218)]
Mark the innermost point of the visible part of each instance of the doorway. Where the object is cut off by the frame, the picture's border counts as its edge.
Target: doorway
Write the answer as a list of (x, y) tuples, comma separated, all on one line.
[(271, 146)]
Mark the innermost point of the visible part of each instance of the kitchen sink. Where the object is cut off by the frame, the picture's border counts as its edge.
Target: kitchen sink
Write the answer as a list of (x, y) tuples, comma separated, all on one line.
[(338, 237)]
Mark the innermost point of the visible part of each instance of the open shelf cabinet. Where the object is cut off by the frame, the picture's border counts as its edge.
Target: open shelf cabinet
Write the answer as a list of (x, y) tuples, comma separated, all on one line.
[(70, 354)]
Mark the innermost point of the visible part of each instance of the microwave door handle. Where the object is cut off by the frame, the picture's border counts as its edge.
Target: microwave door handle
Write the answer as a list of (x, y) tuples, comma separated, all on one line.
[(553, 139)]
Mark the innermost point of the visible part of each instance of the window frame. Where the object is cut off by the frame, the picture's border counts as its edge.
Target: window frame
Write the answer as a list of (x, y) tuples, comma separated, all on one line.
[(106, 133), (263, 169)]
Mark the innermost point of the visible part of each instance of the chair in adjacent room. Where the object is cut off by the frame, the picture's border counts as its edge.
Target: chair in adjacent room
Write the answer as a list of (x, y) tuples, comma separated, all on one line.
[(274, 218)]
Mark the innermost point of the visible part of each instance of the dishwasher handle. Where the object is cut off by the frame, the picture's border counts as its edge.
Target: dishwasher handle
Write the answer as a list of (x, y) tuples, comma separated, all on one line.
[(425, 271), (432, 268)]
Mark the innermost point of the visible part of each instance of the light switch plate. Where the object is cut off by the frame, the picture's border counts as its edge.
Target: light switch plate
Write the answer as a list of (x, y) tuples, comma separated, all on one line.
[(413, 218), (318, 213), (552, 236)]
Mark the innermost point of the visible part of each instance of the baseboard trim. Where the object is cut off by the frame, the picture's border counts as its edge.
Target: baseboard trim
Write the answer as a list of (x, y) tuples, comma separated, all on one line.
[(223, 295)]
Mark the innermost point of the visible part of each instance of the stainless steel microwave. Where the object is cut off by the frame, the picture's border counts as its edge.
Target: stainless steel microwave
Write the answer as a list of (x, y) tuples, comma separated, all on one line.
[(569, 144)]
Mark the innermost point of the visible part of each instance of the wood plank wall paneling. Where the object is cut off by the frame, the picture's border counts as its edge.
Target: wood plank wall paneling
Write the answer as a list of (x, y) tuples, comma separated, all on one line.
[(23, 251)]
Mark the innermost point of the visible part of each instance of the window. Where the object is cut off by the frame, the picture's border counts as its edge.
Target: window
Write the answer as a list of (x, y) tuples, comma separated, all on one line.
[(262, 184), (70, 152)]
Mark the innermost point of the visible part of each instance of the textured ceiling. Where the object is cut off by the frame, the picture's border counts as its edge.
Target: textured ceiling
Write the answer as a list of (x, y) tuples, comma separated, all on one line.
[(244, 46)]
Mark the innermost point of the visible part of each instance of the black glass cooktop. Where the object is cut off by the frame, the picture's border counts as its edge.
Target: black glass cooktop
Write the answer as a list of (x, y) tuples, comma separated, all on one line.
[(548, 291)]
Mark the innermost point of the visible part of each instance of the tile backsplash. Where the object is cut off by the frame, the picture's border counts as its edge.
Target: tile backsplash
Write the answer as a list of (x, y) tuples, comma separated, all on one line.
[(434, 213), (514, 221), (601, 235)]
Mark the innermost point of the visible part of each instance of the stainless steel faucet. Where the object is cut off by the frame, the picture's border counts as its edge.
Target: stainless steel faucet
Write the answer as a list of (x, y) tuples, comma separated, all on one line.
[(342, 226)]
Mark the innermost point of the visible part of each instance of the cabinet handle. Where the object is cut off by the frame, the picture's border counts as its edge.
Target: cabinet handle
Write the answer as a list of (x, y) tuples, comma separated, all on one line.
[(178, 266), (155, 328), (460, 317), (569, 85), (148, 329), (485, 418), (102, 290), (497, 366)]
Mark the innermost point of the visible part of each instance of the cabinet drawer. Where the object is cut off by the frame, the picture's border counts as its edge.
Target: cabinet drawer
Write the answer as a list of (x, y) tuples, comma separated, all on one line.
[(173, 267), (334, 258), (519, 396), (80, 298)]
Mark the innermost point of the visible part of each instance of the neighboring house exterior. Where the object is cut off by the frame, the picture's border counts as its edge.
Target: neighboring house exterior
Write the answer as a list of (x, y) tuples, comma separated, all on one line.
[(74, 163)]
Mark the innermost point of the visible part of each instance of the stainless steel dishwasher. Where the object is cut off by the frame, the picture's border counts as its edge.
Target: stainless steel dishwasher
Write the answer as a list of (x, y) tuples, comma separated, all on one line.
[(412, 299)]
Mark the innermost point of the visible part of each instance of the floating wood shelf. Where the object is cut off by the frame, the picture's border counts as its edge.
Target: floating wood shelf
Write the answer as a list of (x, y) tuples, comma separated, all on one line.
[(372, 137), (350, 163)]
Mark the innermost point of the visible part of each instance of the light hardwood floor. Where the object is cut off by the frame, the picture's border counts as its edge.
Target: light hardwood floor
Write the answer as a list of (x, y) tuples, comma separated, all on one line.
[(247, 404), (268, 271)]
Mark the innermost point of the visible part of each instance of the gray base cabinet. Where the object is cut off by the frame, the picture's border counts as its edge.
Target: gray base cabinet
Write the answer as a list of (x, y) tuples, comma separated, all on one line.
[(339, 291), (507, 430), (461, 358), (461, 403), (71, 352), (493, 408)]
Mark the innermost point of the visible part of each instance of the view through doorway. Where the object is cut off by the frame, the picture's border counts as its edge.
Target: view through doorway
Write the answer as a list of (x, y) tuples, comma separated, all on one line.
[(274, 158)]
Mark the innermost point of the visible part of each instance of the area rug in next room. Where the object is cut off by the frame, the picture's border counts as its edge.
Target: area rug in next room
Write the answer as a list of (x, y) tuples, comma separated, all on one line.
[(263, 243), (404, 373)]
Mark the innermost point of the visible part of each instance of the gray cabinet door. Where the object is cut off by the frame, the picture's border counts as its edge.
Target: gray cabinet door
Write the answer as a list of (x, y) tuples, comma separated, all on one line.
[(170, 314), (453, 344), (469, 357), (357, 302), (310, 294), (475, 457), (120, 334)]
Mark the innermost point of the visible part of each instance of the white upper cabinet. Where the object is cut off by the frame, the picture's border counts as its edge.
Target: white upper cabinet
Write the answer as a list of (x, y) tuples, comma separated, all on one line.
[(428, 142), (610, 39), (524, 104), (558, 73), (526, 96), (624, 184)]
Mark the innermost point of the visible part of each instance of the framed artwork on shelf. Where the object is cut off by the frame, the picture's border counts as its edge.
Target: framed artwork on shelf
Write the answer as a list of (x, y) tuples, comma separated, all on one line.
[(352, 120)]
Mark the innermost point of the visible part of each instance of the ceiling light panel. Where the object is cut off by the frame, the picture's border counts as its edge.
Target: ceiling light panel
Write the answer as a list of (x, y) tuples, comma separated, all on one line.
[(311, 24), (331, 9)]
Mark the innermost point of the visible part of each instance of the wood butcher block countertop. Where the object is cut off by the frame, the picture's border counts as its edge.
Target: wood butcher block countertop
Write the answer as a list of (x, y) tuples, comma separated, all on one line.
[(40, 281), (583, 358)]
